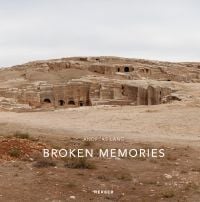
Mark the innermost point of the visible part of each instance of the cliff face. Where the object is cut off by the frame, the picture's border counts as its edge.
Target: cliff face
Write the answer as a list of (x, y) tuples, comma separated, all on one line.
[(83, 81)]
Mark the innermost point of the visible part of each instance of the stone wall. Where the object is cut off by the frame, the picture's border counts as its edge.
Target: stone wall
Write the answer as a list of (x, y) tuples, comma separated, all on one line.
[(70, 95), (81, 93)]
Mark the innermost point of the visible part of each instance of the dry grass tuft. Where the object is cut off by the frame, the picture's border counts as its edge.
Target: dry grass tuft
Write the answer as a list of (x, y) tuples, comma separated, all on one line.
[(44, 163), (22, 135), (79, 163), (168, 193), (15, 152)]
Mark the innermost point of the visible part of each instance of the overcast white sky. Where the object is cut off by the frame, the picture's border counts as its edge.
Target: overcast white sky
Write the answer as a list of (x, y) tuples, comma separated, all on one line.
[(151, 29)]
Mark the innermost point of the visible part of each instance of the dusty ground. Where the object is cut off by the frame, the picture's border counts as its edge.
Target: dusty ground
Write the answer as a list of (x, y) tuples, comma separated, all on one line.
[(173, 178), (174, 127), (168, 123)]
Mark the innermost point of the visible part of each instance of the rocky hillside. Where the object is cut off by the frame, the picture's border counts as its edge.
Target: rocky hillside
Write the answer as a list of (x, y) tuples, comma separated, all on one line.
[(86, 81)]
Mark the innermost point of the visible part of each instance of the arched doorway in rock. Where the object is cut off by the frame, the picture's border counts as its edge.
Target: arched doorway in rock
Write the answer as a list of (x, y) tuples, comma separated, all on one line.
[(47, 100), (118, 69), (71, 102), (81, 103), (123, 91), (126, 69), (61, 102)]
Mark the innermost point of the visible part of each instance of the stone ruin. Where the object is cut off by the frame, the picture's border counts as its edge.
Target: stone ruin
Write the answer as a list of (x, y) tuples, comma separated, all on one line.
[(89, 81)]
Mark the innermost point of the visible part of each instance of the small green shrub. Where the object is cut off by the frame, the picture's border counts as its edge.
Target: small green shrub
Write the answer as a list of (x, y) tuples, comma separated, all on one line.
[(22, 135), (44, 163), (124, 177), (15, 152), (168, 193), (81, 163)]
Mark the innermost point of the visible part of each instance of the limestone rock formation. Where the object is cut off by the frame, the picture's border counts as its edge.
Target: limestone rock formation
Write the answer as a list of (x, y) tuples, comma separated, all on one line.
[(85, 81)]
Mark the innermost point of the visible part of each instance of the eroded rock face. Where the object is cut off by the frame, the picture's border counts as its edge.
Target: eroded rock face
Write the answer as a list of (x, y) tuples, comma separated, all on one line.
[(86, 93), (85, 81)]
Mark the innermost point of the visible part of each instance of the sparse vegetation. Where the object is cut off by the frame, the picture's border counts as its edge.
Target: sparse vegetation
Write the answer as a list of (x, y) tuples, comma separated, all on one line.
[(81, 163), (183, 171), (137, 174), (87, 143), (168, 193), (44, 163), (22, 135), (15, 152), (103, 177), (124, 177)]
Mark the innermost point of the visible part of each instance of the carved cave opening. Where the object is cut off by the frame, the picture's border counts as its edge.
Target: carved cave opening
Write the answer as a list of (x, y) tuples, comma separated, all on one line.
[(71, 102), (126, 69), (61, 102), (47, 100), (81, 103)]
